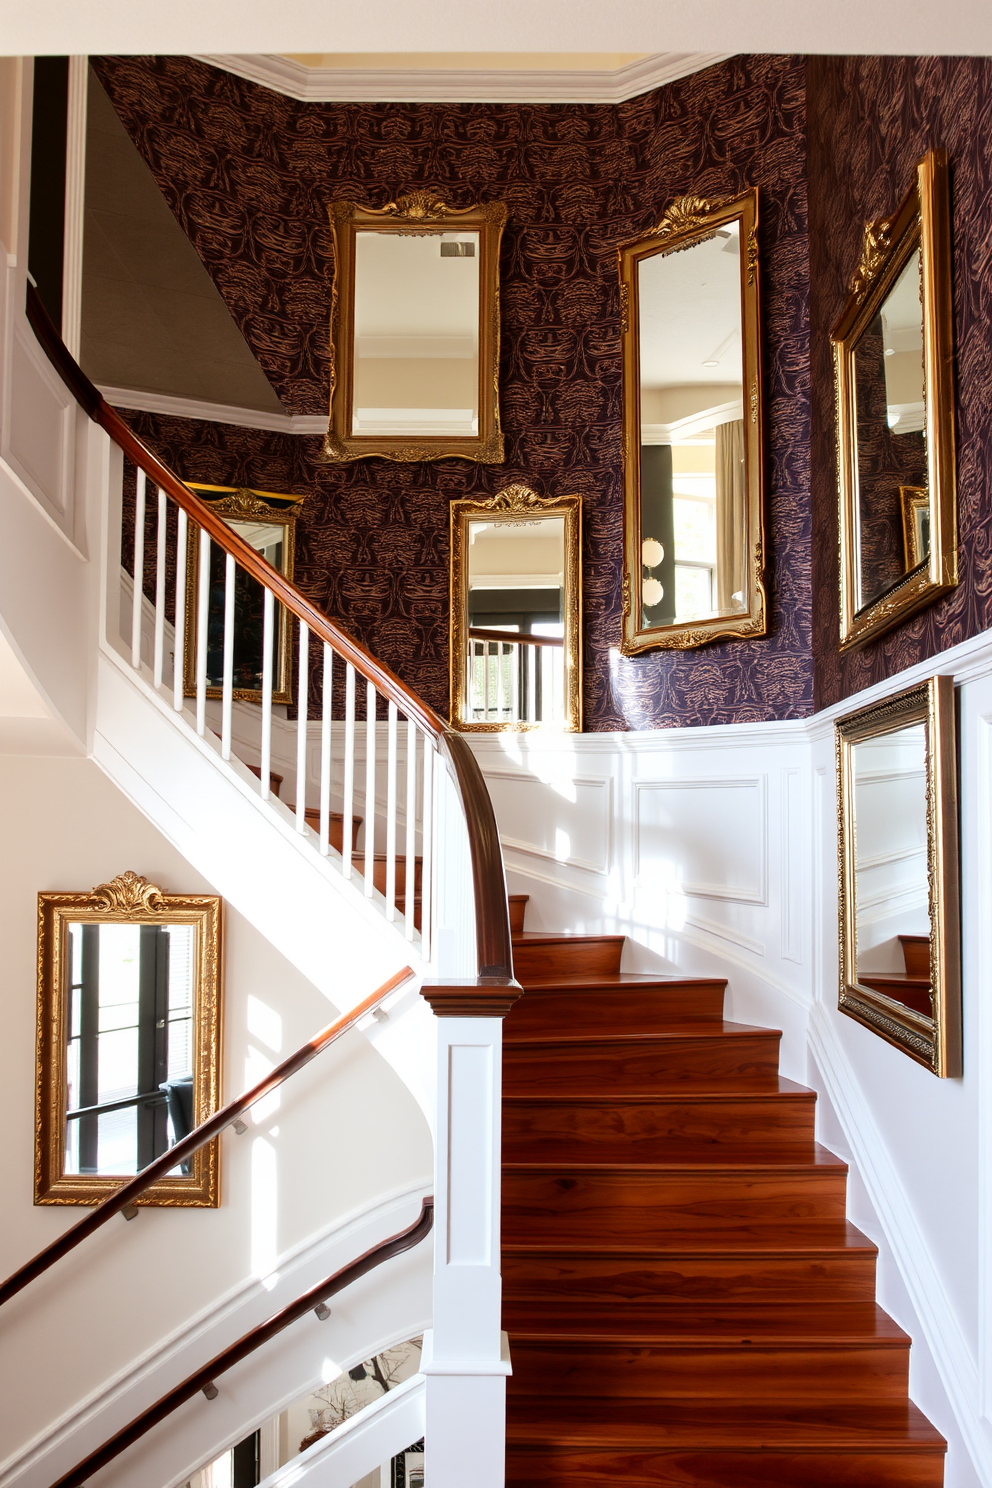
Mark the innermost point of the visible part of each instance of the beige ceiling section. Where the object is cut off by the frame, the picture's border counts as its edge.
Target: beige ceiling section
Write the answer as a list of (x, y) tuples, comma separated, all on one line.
[(469, 61), (152, 320)]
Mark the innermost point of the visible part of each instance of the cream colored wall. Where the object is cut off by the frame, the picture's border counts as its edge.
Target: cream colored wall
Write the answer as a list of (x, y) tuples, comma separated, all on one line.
[(666, 405), (344, 1132), (11, 73), (417, 382)]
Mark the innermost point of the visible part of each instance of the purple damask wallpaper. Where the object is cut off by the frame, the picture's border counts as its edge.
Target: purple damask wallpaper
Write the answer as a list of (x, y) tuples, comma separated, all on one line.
[(248, 174), (870, 120)]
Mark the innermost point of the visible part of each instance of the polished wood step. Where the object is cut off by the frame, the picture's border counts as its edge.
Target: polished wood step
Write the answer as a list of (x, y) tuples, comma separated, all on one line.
[(638, 1128), (715, 1057), (623, 1001), (821, 1263), (544, 955)]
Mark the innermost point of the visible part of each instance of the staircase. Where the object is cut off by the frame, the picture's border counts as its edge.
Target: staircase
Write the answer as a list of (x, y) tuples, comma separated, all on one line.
[(685, 1300)]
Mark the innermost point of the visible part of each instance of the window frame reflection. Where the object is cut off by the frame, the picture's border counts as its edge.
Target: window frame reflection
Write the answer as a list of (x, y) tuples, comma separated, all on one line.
[(736, 604), (81, 956)]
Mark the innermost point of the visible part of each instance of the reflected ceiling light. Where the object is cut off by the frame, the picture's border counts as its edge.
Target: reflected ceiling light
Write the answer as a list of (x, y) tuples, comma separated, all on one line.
[(652, 552), (712, 362), (652, 592)]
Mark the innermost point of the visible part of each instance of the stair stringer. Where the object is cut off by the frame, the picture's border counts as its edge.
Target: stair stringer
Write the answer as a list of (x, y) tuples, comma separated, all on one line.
[(255, 858), (389, 1305)]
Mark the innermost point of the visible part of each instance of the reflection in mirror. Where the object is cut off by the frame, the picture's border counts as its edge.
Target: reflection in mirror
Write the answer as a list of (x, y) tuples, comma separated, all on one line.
[(892, 444), (897, 842), (128, 1039), (415, 330), (894, 370), (416, 334), (693, 469), (892, 890), (692, 432), (515, 602), (267, 522)]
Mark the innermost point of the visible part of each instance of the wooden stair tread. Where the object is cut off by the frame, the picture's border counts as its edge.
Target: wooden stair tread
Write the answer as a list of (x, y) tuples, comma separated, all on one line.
[(607, 981), (805, 1238), (739, 1162), (564, 937), (782, 1088), (789, 1325), (656, 1425), (677, 1031)]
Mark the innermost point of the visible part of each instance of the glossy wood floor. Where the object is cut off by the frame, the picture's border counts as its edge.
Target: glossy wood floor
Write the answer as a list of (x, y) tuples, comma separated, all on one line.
[(686, 1302)]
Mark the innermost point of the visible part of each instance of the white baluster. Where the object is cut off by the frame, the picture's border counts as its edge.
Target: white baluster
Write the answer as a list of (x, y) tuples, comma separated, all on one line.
[(160, 591), (487, 655), (325, 750), (268, 630), (427, 837), (391, 815), (532, 683), (348, 793), (499, 681), (179, 654), (227, 680), (203, 606), (139, 567), (302, 712), (411, 827), (370, 698)]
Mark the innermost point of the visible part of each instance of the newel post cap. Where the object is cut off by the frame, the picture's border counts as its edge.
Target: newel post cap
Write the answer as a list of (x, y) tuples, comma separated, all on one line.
[(461, 997)]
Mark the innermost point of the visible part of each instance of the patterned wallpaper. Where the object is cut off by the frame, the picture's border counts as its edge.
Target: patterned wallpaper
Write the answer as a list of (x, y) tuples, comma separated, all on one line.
[(248, 174), (870, 120)]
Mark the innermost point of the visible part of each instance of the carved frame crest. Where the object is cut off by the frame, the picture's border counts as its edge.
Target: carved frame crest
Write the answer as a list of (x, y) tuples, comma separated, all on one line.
[(128, 898), (414, 213)]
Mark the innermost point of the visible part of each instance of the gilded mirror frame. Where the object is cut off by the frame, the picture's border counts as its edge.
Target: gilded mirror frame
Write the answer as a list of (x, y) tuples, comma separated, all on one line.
[(129, 898), (516, 502), (414, 214), (689, 221), (933, 1041), (239, 504), (921, 221)]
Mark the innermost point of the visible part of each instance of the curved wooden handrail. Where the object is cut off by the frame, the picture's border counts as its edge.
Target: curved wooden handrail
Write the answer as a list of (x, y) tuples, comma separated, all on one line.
[(494, 950), (405, 1240), (513, 637), (131, 1191)]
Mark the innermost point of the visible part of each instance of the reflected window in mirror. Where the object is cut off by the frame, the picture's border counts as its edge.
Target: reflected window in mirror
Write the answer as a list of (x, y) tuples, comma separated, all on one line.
[(895, 433), (693, 486), (415, 330), (515, 612), (899, 936), (128, 1039), (267, 522)]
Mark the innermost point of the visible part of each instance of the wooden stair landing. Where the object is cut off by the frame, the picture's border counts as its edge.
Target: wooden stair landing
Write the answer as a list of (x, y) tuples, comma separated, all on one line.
[(687, 1304)]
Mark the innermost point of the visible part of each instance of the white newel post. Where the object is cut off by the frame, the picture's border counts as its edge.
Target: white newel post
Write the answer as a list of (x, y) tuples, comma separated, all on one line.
[(465, 1356)]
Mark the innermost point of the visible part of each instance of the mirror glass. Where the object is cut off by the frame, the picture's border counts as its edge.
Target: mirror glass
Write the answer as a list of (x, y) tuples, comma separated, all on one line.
[(516, 578), (129, 1044), (893, 506), (691, 377), (268, 526), (416, 334), (892, 889)]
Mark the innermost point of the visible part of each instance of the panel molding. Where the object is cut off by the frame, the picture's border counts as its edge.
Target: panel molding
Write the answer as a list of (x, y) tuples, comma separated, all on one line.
[(136, 400), (732, 894), (532, 849)]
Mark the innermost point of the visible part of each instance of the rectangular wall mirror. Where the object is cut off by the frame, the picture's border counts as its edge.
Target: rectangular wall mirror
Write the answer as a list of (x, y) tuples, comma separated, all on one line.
[(895, 400), (267, 522), (415, 331), (128, 1040), (899, 934), (693, 463), (516, 612)]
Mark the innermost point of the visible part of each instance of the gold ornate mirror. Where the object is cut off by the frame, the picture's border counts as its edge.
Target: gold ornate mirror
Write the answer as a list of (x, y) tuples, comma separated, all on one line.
[(893, 360), (128, 1040), (693, 444), (516, 612), (898, 864), (415, 330), (267, 522)]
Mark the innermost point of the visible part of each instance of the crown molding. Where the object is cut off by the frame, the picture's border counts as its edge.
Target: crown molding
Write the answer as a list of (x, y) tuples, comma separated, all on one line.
[(436, 85), (214, 413)]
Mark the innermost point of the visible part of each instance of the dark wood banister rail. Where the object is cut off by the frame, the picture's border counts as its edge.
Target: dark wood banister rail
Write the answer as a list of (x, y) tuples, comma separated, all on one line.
[(492, 923), (129, 1192), (405, 1240)]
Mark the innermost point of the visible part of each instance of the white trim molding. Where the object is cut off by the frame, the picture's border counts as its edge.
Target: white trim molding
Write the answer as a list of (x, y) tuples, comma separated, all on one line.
[(464, 84), (140, 401)]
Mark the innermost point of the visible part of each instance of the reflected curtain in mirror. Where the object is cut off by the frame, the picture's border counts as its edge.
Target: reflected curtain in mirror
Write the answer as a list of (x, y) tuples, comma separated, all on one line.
[(516, 612), (415, 330), (899, 935), (895, 431), (693, 427), (128, 1040), (267, 522)]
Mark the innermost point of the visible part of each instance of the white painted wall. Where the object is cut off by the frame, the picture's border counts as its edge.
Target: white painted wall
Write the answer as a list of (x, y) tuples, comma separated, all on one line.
[(344, 1134)]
